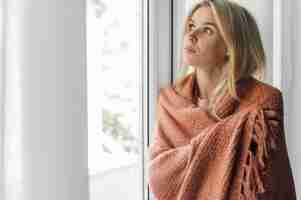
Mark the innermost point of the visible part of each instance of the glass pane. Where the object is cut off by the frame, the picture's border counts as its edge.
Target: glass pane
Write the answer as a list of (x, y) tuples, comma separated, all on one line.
[(113, 48), (183, 8)]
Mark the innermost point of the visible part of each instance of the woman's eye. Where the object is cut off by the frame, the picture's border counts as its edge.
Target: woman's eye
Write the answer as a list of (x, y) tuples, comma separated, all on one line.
[(208, 30), (190, 26)]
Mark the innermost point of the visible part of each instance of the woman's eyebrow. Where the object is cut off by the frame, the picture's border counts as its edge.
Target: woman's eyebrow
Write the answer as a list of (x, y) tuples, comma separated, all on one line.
[(210, 23), (206, 23)]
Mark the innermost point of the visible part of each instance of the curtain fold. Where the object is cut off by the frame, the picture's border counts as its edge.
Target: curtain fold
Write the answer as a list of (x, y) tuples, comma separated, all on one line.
[(43, 93)]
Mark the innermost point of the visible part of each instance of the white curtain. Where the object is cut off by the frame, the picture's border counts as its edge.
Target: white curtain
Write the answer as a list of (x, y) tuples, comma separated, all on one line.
[(43, 141)]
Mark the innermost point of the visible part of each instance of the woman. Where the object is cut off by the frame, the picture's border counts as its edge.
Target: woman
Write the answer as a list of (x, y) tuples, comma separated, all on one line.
[(219, 132)]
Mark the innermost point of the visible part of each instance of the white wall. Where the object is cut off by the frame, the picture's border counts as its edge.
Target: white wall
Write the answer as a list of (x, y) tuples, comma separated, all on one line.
[(294, 93)]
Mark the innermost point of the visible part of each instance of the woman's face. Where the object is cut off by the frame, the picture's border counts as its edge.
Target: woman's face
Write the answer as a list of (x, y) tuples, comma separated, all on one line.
[(203, 37)]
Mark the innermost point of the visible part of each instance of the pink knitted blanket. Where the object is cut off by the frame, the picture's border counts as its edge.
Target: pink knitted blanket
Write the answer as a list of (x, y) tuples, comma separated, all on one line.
[(242, 157)]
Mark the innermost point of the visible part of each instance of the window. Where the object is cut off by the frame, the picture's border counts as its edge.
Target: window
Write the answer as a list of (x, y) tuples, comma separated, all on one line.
[(114, 59)]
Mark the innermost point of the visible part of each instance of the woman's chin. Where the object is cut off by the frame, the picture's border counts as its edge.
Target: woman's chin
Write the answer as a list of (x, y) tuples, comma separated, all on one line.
[(189, 59), (188, 62)]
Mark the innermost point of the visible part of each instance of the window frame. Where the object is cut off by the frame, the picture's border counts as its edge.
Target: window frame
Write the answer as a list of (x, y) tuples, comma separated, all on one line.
[(157, 71)]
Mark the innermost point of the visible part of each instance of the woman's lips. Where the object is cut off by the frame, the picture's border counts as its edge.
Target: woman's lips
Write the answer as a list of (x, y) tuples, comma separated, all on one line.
[(189, 50)]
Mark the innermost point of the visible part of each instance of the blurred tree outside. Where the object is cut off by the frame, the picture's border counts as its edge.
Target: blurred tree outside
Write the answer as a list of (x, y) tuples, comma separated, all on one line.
[(116, 124)]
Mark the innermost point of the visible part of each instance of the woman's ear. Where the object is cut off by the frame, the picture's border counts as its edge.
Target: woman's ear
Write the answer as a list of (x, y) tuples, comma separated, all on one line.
[(227, 55)]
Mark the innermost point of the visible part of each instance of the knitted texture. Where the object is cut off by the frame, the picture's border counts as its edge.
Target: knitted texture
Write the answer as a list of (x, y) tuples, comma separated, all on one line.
[(244, 156)]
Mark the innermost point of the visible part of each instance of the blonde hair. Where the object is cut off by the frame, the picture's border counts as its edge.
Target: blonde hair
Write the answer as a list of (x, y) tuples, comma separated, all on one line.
[(241, 35)]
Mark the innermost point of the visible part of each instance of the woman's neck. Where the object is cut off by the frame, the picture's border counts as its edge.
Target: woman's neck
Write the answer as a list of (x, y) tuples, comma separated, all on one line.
[(207, 80)]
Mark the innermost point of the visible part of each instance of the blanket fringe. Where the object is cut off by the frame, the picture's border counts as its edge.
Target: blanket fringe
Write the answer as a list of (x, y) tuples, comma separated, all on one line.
[(252, 181)]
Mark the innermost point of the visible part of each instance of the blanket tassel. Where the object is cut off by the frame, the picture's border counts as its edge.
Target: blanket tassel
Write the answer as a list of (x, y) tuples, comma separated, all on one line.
[(252, 183)]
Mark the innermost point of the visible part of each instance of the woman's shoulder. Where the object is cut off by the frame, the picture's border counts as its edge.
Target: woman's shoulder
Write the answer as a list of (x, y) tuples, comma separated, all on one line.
[(168, 95), (178, 93), (257, 92)]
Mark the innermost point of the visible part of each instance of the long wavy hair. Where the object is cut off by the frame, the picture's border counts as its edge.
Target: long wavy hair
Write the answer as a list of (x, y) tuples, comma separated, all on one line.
[(241, 35)]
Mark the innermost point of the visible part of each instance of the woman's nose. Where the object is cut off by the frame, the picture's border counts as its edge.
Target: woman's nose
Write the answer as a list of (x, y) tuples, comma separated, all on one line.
[(192, 38)]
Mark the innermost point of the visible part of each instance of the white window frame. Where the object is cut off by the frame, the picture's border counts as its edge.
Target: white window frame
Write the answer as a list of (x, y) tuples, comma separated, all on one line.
[(2, 99), (283, 60), (158, 71), (160, 54)]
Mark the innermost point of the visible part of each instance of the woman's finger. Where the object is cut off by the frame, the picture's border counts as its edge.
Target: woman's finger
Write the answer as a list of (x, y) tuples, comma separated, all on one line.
[(272, 114), (274, 122)]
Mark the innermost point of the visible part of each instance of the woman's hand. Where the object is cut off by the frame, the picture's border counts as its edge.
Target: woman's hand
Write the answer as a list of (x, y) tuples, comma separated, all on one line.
[(203, 103), (272, 116)]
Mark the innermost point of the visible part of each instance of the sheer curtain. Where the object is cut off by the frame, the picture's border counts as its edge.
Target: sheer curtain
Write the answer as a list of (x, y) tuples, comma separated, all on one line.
[(43, 100)]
